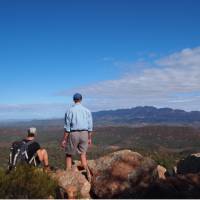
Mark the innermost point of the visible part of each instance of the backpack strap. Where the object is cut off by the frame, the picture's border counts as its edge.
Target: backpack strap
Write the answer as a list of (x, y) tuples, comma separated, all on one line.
[(15, 157), (26, 147), (29, 142), (33, 159)]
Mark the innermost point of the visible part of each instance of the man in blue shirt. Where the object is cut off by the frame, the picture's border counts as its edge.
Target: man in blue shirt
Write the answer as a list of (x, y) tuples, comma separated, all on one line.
[(77, 133)]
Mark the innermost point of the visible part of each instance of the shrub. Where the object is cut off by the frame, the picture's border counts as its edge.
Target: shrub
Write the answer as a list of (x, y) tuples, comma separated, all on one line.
[(26, 183)]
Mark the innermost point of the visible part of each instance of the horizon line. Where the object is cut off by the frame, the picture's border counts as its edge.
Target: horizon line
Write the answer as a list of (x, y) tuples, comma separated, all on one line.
[(105, 110)]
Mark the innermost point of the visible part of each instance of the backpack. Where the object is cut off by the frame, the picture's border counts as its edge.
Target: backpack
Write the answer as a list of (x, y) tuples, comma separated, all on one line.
[(19, 154)]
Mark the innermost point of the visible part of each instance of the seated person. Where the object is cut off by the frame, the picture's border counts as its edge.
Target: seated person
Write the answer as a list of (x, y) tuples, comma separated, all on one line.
[(28, 150), (34, 148)]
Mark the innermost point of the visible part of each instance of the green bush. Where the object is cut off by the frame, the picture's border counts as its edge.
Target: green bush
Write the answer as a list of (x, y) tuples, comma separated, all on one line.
[(26, 183)]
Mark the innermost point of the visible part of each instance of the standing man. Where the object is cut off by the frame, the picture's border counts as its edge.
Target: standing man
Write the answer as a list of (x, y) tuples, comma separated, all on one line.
[(77, 133)]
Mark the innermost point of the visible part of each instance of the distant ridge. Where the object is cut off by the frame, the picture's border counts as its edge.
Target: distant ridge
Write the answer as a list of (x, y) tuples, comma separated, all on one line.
[(147, 114), (141, 115)]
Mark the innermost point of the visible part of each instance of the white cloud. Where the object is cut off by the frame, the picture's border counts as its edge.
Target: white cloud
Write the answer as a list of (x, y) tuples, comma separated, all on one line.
[(174, 74), (172, 81)]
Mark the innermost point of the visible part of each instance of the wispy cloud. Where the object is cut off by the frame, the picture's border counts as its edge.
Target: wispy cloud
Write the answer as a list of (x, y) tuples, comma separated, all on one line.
[(155, 84), (108, 58), (171, 81)]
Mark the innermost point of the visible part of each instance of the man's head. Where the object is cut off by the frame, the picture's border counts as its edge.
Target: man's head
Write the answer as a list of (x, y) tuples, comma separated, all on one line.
[(77, 97), (32, 132)]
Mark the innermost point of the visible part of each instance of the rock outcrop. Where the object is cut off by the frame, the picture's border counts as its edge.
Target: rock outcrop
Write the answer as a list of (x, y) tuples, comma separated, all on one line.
[(190, 164), (73, 183), (122, 174), (127, 174)]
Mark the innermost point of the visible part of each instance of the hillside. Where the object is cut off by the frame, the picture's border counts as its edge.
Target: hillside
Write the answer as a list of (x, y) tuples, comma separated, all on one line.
[(164, 143), (149, 130)]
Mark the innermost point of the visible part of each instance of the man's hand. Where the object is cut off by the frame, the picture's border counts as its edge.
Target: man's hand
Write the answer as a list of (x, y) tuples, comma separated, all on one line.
[(64, 140), (90, 138), (63, 144), (90, 141)]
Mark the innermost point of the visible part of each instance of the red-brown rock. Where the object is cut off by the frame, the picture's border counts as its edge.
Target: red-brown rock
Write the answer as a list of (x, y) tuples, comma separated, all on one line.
[(121, 174), (73, 182)]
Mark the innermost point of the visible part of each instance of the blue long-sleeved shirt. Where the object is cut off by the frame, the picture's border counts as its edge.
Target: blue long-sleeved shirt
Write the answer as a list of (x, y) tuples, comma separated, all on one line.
[(78, 118)]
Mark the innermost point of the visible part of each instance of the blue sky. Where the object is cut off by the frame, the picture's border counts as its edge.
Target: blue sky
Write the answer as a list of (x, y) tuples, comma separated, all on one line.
[(112, 51)]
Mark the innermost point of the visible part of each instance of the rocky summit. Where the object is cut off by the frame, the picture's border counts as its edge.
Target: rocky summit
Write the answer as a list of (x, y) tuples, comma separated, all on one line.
[(127, 174), (118, 175)]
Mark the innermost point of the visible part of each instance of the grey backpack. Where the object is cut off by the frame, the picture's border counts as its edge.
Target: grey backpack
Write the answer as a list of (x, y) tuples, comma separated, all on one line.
[(19, 154)]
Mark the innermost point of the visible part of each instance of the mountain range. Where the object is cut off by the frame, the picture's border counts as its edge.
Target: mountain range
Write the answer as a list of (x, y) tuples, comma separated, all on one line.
[(136, 116), (146, 115)]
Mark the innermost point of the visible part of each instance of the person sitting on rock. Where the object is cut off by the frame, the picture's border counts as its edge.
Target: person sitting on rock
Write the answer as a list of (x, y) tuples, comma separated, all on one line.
[(28, 151), (77, 133)]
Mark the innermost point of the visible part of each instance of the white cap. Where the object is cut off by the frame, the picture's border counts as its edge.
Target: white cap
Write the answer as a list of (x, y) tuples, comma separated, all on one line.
[(32, 130)]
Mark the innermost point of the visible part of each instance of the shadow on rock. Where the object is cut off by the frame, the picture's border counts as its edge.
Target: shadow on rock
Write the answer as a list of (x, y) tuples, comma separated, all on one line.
[(190, 164)]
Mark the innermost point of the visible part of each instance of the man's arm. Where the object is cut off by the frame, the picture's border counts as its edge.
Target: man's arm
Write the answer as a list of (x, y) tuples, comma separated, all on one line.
[(90, 128), (66, 129), (67, 121), (64, 140), (89, 138)]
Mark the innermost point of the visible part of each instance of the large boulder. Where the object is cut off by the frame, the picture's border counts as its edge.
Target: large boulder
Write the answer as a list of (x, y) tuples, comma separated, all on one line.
[(73, 183), (190, 164), (122, 174)]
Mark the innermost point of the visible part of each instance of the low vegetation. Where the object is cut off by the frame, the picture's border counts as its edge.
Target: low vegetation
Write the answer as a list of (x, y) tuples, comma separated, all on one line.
[(26, 183)]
